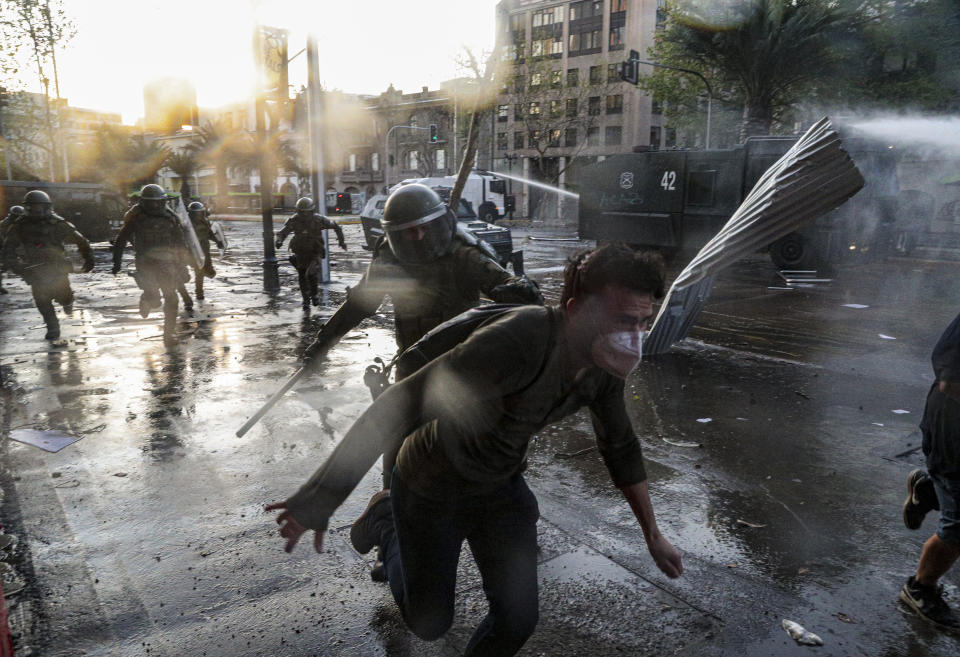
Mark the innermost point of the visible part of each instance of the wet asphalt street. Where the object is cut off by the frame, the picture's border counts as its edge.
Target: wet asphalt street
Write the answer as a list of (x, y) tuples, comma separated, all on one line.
[(778, 440)]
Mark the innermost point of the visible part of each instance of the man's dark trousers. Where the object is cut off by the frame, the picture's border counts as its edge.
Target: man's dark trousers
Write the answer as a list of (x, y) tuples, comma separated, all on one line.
[(422, 547)]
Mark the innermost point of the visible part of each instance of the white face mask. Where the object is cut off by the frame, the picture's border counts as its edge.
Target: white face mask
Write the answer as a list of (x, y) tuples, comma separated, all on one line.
[(618, 353)]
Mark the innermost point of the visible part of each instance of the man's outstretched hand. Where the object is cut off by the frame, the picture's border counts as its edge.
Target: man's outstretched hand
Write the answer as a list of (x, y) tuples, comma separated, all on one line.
[(666, 556), (292, 530)]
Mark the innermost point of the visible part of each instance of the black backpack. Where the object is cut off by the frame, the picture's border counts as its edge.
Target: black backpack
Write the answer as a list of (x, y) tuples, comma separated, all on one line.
[(437, 342)]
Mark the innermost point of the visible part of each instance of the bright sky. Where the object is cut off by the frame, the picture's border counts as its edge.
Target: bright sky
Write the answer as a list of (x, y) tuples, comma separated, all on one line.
[(364, 45)]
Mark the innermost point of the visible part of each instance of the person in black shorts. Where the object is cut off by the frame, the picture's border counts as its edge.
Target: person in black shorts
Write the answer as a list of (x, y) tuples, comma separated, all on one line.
[(939, 487)]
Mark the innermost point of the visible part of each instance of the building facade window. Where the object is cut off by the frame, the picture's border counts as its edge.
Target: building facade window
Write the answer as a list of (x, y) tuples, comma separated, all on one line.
[(441, 159), (594, 75), (518, 140), (536, 80), (503, 113), (352, 162), (656, 107), (615, 104), (616, 37), (518, 112), (593, 136), (548, 16), (556, 108), (572, 109), (555, 138), (613, 73), (616, 6), (584, 42), (534, 138), (534, 109), (655, 133), (518, 22), (375, 161), (570, 137), (613, 135), (585, 9), (593, 106), (671, 138), (573, 77), (413, 160), (502, 142), (556, 79)]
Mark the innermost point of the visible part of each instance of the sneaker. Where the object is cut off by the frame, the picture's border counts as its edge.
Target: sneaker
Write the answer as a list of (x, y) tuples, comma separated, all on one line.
[(378, 573), (365, 531), (928, 603), (921, 499)]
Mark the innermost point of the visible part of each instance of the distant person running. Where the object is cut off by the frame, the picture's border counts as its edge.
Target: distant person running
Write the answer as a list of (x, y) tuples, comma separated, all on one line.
[(939, 488)]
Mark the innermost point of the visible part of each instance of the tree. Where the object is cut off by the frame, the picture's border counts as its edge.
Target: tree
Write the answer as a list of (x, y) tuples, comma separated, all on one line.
[(215, 145), (555, 115), (31, 31), (184, 164), (773, 53)]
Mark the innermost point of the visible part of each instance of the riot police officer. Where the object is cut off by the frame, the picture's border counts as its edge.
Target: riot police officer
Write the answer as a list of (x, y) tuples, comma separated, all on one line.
[(307, 246), (33, 248), (432, 272), (205, 235), (15, 212), (160, 254)]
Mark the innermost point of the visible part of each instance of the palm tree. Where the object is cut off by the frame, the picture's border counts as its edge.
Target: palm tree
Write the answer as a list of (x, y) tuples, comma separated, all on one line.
[(184, 164), (212, 146), (775, 51)]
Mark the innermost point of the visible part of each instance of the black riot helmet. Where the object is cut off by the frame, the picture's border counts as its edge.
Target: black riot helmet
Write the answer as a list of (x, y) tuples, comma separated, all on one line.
[(418, 225), (37, 203), (153, 199), (196, 207), (305, 205)]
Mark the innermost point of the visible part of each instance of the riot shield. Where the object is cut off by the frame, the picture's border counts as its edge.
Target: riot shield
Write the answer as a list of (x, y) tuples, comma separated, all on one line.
[(221, 236), (190, 236)]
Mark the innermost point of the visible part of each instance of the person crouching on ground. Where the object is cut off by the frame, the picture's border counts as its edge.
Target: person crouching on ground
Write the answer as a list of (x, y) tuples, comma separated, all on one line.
[(463, 423)]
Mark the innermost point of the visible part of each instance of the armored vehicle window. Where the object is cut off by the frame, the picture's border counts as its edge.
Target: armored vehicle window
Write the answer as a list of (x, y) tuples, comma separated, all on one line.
[(700, 187)]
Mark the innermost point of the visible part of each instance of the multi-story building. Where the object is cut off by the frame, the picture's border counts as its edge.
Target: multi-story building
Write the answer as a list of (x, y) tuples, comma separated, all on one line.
[(562, 103)]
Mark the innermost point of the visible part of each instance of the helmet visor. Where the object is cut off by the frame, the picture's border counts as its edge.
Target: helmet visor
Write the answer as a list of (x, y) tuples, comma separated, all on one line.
[(422, 240)]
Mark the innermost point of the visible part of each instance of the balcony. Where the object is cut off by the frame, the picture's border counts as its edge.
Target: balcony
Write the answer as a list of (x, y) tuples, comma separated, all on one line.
[(361, 176)]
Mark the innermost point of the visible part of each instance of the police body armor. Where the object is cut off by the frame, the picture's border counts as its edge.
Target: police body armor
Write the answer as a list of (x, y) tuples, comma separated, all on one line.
[(41, 244), (158, 238), (433, 295), (307, 236)]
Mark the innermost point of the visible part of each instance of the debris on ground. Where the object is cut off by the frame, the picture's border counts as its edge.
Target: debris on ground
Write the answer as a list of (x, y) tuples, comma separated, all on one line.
[(681, 443), (800, 634), (50, 440), (750, 524)]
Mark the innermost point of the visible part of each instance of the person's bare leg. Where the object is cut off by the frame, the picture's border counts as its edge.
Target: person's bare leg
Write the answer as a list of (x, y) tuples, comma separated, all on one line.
[(936, 559)]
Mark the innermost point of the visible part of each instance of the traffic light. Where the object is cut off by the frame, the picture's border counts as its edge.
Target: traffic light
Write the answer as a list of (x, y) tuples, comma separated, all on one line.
[(628, 71), (433, 132)]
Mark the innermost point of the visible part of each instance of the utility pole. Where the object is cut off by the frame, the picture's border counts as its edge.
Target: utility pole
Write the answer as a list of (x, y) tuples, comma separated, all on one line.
[(56, 87), (315, 132), (271, 277)]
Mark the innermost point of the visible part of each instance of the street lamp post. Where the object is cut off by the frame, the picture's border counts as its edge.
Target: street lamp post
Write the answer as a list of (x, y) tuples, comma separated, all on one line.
[(510, 157), (386, 152)]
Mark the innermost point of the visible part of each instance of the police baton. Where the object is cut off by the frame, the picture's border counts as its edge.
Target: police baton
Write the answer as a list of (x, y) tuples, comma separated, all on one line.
[(287, 385)]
